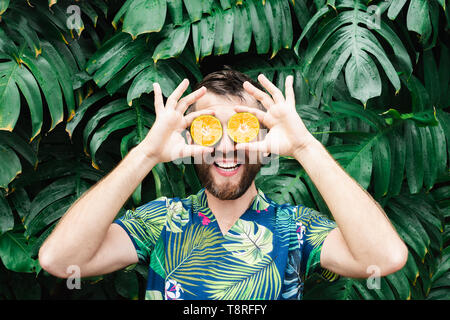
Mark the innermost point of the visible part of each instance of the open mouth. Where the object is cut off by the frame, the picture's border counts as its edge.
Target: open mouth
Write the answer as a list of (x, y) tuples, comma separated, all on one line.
[(227, 169)]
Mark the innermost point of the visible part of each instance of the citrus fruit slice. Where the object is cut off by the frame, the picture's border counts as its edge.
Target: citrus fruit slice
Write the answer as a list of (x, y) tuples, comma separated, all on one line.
[(206, 130), (243, 127)]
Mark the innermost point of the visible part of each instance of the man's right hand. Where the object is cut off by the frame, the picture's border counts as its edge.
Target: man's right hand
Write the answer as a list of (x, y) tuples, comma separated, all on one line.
[(165, 142), (85, 236)]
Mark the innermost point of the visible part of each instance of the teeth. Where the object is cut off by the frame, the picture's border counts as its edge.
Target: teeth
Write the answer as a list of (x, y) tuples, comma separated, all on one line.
[(228, 169), (227, 165)]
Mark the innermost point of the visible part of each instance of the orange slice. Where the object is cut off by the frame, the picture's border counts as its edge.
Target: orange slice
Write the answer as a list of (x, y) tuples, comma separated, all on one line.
[(206, 130), (243, 127)]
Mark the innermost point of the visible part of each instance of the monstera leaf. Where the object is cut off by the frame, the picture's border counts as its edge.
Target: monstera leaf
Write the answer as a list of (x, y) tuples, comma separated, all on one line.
[(422, 17), (345, 40), (249, 241)]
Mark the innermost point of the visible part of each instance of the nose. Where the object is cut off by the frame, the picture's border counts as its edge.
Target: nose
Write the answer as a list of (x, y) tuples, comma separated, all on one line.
[(225, 146)]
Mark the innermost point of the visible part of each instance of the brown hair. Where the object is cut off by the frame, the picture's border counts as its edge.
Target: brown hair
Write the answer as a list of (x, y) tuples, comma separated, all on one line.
[(227, 82)]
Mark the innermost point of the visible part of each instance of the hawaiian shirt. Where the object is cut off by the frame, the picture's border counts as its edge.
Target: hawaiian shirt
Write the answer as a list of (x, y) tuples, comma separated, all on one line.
[(267, 254)]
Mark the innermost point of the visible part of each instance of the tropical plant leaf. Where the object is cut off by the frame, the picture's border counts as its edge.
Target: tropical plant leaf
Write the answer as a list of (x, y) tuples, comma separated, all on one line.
[(15, 253), (248, 241), (345, 40), (246, 281), (185, 255)]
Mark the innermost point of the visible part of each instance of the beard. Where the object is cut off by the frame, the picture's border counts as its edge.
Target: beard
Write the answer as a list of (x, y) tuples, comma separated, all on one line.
[(228, 191)]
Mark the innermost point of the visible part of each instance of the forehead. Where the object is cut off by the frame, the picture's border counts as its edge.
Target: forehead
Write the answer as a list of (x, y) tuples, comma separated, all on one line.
[(223, 105)]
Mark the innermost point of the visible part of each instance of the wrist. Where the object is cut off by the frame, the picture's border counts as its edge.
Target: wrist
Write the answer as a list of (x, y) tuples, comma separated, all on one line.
[(146, 153), (307, 147)]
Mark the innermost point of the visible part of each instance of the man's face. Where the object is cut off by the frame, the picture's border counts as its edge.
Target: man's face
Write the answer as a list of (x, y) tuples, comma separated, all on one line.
[(228, 173)]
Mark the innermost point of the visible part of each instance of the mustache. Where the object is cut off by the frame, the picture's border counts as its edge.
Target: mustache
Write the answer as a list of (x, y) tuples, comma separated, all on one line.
[(241, 157), (234, 154)]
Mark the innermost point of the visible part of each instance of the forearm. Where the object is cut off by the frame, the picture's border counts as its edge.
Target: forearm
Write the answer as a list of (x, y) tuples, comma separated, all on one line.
[(365, 228), (83, 228)]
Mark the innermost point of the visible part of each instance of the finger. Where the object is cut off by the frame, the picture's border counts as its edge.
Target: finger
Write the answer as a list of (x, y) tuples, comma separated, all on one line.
[(257, 146), (176, 94), (159, 102), (184, 103), (259, 95), (289, 90), (191, 116), (276, 93), (259, 114)]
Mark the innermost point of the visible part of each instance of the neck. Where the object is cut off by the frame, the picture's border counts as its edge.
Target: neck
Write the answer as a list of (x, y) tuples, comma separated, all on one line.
[(227, 212)]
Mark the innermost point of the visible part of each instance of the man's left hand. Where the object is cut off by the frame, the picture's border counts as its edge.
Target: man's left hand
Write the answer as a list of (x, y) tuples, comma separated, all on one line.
[(287, 133)]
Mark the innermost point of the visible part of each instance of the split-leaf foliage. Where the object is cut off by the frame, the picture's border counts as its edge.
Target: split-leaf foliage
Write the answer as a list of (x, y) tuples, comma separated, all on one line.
[(372, 83)]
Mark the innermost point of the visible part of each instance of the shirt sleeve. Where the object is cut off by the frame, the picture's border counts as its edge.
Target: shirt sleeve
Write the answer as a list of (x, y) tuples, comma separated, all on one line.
[(144, 226), (313, 228)]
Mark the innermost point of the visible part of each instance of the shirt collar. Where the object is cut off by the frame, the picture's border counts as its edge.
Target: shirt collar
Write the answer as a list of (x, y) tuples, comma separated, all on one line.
[(260, 202)]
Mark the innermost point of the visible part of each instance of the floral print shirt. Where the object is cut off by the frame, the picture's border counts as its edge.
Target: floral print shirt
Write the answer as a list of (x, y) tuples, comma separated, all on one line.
[(267, 253)]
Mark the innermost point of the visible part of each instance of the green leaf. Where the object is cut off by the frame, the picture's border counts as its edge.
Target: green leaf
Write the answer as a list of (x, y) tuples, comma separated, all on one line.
[(12, 77), (194, 9), (223, 31), (121, 57), (107, 51), (260, 26), (248, 241), (394, 8), (48, 195), (49, 214), (381, 166), (273, 11), (135, 66), (45, 75), (244, 281), (356, 159), (157, 258), (400, 283), (127, 284), (286, 25), (173, 44), (362, 77), (398, 159), (444, 77), (431, 75), (123, 9), (3, 6), (15, 253), (117, 122), (418, 18), (9, 100), (343, 37), (429, 158), (175, 8), (85, 105), (203, 34), (440, 147), (410, 224), (8, 172), (109, 109), (414, 157), (24, 149), (242, 33), (20, 201), (162, 73), (6, 216)]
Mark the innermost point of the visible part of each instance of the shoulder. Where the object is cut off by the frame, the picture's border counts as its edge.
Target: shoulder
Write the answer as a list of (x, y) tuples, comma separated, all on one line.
[(164, 204)]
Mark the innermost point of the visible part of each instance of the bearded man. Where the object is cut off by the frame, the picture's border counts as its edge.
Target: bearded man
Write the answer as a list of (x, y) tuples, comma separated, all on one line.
[(228, 241)]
